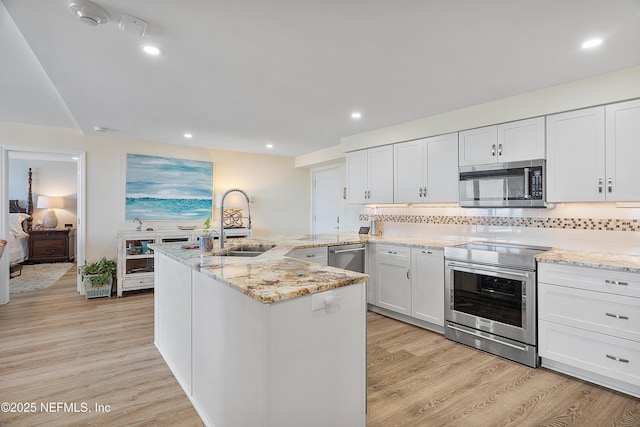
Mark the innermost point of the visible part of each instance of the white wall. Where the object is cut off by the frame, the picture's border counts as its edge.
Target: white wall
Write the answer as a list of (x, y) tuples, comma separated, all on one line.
[(281, 191)]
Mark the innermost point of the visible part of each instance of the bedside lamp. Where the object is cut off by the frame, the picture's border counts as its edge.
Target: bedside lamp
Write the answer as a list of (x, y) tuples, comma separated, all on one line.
[(44, 202)]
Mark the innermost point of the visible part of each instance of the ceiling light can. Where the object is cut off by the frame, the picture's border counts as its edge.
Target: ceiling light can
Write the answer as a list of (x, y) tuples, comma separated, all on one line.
[(591, 43), (151, 50)]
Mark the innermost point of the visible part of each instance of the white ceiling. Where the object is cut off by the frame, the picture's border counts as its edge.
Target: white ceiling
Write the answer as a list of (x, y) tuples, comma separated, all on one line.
[(241, 74)]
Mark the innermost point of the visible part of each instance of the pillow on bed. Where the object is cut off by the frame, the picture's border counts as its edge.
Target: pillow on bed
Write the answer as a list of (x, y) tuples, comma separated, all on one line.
[(15, 224)]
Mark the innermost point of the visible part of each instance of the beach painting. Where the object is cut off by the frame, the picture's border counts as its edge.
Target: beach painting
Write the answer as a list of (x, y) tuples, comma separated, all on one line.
[(164, 188)]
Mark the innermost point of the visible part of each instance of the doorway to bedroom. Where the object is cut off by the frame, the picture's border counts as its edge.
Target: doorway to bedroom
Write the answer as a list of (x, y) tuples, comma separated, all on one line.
[(57, 197)]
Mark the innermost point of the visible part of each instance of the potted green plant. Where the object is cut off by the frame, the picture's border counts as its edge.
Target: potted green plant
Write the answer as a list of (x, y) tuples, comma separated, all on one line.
[(206, 240), (98, 277)]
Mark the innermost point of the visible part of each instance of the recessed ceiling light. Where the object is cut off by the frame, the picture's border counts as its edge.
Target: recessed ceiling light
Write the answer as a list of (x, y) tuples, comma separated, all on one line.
[(356, 115), (188, 135), (269, 145), (591, 43), (99, 129), (151, 50)]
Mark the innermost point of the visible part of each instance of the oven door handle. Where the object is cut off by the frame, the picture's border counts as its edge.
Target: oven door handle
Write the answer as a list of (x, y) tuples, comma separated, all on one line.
[(483, 336), (490, 270)]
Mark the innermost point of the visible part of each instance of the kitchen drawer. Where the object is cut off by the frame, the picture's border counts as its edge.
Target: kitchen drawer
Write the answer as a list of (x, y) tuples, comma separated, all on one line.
[(595, 311), (601, 354), (391, 252), (594, 279), (137, 281), (316, 255)]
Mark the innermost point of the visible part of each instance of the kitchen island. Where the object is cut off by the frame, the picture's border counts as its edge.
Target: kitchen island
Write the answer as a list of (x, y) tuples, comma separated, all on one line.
[(266, 340)]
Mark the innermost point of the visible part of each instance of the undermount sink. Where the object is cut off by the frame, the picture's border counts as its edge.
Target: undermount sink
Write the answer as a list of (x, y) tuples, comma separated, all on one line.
[(245, 250)]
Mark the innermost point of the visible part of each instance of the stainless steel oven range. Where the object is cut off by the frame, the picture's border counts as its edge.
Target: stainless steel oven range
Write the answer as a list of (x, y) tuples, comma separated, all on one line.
[(490, 291)]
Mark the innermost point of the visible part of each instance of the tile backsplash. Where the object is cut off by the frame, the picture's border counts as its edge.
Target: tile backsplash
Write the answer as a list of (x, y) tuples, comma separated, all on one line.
[(586, 226)]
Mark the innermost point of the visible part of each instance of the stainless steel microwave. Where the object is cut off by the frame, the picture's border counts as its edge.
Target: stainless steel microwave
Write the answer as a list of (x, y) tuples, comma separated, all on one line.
[(503, 185)]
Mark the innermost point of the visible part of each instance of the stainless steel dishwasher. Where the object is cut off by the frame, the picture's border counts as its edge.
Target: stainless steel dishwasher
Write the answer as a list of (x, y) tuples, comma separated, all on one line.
[(348, 257)]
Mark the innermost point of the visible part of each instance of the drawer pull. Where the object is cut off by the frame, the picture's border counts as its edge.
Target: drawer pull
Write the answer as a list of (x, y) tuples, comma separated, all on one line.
[(617, 359), (617, 316), (393, 252), (615, 282)]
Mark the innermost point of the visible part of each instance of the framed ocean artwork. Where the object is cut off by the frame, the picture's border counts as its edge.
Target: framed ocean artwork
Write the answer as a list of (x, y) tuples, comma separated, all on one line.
[(168, 189)]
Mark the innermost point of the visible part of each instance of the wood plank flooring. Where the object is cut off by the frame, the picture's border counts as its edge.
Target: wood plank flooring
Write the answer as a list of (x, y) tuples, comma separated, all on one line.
[(56, 346), (419, 378)]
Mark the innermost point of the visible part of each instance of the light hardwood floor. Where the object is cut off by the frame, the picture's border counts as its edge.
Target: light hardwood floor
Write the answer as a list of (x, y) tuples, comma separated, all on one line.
[(56, 346)]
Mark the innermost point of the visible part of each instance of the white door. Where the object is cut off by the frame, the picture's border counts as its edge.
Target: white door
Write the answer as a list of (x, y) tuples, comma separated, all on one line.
[(409, 172), (357, 176), (478, 146), (327, 192)]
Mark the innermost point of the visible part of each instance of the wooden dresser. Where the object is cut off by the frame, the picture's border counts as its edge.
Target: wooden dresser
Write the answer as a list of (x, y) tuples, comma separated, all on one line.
[(52, 245)]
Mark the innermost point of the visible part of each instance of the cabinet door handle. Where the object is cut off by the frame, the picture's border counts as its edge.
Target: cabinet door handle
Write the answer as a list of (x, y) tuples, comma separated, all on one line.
[(427, 252), (493, 150), (499, 149), (600, 185), (617, 316), (408, 273), (615, 282), (610, 185), (617, 359), (420, 192), (424, 191)]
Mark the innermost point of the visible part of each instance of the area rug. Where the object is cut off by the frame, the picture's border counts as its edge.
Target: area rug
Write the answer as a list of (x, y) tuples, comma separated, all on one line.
[(38, 276)]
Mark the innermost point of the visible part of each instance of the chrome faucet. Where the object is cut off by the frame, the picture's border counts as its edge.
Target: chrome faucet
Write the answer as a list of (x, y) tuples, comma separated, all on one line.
[(221, 237)]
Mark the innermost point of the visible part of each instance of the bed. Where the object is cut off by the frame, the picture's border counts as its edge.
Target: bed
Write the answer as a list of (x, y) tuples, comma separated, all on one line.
[(19, 227)]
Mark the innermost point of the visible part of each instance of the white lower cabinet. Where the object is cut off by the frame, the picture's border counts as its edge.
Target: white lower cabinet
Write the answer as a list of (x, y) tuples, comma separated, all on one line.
[(407, 283), (589, 324), (427, 285), (393, 278)]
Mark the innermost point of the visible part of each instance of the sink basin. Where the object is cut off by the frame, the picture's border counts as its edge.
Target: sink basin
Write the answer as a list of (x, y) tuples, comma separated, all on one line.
[(245, 250)]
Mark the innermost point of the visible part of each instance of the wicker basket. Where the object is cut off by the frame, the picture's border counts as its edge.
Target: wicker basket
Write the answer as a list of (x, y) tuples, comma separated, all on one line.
[(97, 291), (3, 243)]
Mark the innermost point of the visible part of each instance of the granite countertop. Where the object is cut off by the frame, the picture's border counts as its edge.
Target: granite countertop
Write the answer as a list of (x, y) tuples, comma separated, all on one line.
[(616, 262), (271, 276)]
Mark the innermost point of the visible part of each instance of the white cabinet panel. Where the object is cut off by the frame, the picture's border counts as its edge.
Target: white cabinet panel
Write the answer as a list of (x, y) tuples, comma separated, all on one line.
[(521, 140), (478, 146), (575, 156), (623, 151), (506, 142), (393, 278), (593, 352), (589, 324), (315, 255), (594, 279), (427, 285), (357, 176), (426, 170), (173, 314), (370, 175), (596, 311)]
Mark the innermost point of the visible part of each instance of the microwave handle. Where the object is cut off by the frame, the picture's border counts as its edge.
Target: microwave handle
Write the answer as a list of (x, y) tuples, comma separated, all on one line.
[(527, 180)]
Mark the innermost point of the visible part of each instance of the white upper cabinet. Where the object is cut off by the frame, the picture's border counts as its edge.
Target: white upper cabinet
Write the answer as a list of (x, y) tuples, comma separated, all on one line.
[(623, 151), (370, 175), (576, 157), (521, 140), (478, 146), (507, 142), (426, 170)]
